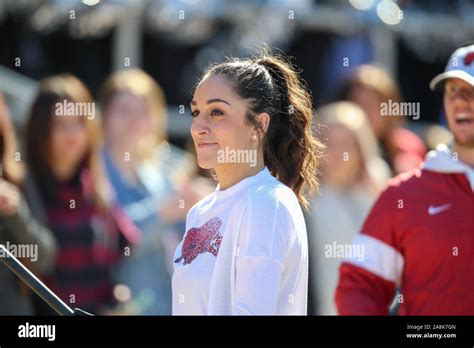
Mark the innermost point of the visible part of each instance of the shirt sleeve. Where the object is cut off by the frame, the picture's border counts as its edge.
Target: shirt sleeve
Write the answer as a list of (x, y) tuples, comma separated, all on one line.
[(26, 229), (263, 244), (367, 285)]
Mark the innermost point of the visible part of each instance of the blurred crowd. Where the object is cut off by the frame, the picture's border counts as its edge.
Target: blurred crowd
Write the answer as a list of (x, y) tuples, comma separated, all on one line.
[(104, 194), (105, 200)]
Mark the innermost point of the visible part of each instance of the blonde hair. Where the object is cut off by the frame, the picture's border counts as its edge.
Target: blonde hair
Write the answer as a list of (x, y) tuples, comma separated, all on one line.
[(353, 117), (140, 84), (377, 79)]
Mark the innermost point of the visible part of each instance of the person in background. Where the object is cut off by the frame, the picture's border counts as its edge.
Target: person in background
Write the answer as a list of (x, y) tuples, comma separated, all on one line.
[(69, 193), (148, 176), (353, 173), (370, 87), (17, 225), (419, 233), (245, 249)]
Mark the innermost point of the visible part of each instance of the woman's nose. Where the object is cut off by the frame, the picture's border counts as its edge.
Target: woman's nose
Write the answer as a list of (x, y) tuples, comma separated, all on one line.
[(199, 126)]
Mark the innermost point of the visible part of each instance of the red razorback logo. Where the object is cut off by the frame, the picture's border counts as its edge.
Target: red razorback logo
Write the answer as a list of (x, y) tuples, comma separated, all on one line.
[(200, 240), (469, 58)]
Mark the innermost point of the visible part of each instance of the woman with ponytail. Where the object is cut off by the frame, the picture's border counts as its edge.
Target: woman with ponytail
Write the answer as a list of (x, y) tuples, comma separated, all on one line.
[(245, 249)]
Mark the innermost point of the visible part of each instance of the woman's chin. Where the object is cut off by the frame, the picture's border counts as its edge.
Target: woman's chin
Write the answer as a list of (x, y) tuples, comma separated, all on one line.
[(206, 163)]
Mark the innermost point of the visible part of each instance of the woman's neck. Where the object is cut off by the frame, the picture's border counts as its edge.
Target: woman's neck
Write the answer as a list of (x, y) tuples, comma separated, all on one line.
[(63, 171), (231, 174)]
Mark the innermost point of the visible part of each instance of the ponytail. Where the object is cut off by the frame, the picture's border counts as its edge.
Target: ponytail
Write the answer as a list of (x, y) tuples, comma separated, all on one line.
[(291, 150)]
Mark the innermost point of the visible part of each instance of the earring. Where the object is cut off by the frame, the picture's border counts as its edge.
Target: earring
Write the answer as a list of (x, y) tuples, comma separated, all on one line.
[(254, 136), (213, 174)]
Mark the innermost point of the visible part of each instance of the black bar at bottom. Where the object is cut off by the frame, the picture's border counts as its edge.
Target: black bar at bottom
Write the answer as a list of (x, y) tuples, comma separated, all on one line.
[(137, 331)]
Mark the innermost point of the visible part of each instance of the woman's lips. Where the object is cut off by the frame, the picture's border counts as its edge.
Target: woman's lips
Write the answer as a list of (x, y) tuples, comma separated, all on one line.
[(206, 145)]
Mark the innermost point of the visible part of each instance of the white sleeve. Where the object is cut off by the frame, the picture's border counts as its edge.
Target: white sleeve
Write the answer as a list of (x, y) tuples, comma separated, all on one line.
[(263, 244)]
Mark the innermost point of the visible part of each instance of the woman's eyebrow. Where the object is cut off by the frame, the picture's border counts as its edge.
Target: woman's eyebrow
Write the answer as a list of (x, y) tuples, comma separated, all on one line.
[(215, 100)]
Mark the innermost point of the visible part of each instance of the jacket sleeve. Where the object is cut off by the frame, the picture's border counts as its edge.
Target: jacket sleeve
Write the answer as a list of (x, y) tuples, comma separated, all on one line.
[(367, 284), (23, 228), (259, 261)]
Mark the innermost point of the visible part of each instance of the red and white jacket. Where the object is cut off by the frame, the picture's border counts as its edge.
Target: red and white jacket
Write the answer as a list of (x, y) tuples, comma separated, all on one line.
[(419, 236)]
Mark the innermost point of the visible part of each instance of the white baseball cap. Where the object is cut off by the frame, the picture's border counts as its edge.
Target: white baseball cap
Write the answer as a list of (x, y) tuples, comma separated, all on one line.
[(460, 66)]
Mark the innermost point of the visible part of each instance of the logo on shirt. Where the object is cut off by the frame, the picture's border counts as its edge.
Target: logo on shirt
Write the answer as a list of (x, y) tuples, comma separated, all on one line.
[(469, 58), (200, 240), (432, 210)]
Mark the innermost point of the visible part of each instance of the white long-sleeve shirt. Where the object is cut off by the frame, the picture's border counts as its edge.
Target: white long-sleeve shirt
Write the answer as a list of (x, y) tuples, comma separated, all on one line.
[(245, 252)]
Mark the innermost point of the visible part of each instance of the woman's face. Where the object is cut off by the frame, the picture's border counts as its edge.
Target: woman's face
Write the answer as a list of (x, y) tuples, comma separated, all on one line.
[(218, 125), (344, 161), (69, 139), (128, 120)]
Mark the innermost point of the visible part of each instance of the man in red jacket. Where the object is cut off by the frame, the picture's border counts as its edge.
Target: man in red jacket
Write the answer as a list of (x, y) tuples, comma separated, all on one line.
[(419, 236)]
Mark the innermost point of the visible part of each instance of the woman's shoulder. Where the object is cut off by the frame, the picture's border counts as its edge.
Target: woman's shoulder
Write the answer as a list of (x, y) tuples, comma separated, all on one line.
[(273, 194), (271, 220)]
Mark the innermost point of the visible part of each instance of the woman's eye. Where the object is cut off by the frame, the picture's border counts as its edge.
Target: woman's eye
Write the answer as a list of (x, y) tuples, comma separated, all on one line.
[(194, 113), (216, 112)]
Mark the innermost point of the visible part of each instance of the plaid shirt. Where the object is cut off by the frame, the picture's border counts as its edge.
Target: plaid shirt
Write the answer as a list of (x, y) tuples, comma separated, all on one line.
[(89, 239)]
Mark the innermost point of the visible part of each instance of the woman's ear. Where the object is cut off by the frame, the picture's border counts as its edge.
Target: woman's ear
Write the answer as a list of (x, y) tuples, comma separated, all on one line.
[(263, 120)]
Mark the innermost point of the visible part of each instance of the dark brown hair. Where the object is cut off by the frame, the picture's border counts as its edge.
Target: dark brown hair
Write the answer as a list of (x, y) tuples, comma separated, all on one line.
[(54, 90), (270, 84)]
